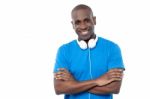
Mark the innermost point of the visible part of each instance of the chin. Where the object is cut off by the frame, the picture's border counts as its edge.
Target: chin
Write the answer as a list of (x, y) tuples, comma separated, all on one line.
[(84, 37)]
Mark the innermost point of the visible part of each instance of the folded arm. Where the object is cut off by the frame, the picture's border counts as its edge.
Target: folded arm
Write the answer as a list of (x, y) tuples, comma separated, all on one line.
[(72, 87), (64, 83), (111, 88)]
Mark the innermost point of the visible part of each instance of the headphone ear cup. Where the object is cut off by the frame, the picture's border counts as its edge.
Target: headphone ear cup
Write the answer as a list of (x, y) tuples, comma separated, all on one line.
[(83, 45), (91, 43)]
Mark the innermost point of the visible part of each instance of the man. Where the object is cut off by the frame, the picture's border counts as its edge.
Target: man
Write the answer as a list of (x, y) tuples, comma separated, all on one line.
[(90, 67)]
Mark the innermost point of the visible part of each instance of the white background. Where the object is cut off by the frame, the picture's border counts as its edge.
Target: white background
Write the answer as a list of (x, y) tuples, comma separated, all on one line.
[(32, 30)]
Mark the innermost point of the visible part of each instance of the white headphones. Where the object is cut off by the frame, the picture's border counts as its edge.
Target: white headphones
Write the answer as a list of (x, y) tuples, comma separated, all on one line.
[(91, 43)]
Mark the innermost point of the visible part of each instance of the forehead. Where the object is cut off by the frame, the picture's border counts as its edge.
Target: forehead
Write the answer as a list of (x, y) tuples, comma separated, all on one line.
[(81, 14)]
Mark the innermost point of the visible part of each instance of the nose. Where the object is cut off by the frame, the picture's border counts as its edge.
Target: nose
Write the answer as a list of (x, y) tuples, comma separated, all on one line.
[(83, 26)]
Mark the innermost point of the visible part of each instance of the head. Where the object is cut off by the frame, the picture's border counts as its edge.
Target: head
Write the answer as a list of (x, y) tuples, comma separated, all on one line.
[(83, 22)]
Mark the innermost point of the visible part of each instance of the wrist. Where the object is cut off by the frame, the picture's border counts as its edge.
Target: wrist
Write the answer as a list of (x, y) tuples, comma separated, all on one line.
[(94, 82)]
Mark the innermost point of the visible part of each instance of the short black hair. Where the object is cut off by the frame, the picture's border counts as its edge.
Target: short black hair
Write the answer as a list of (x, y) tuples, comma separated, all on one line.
[(81, 6)]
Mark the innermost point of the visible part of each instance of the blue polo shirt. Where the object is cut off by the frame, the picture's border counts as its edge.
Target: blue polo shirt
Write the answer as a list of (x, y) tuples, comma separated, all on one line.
[(89, 64)]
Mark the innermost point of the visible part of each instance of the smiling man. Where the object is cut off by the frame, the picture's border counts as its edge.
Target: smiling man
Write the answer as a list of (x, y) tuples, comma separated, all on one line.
[(90, 67)]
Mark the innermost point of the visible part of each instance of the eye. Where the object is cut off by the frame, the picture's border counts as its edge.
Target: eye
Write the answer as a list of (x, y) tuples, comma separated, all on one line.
[(77, 22), (87, 20)]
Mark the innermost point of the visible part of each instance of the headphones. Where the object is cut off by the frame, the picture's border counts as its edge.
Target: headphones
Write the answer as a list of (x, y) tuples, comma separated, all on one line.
[(91, 43)]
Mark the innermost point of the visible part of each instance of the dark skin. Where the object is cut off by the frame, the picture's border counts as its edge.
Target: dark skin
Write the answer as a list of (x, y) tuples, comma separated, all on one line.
[(106, 84), (83, 23)]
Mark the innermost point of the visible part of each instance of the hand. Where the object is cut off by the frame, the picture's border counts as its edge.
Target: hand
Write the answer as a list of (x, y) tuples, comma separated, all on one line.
[(110, 76), (64, 74)]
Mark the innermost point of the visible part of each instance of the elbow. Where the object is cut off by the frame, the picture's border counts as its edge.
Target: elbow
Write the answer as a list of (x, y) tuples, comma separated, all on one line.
[(58, 91), (116, 91), (116, 88)]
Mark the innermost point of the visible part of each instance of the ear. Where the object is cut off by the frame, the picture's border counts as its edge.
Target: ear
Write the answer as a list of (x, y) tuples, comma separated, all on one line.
[(94, 19), (72, 24)]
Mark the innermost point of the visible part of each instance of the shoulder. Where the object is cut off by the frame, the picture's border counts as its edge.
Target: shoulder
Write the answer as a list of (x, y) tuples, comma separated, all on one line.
[(67, 45), (108, 42)]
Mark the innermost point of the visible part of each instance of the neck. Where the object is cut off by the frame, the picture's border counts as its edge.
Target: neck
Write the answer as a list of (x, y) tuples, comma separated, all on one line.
[(92, 37)]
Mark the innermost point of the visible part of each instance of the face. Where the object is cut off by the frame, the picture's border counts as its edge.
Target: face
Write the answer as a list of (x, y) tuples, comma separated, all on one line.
[(83, 23)]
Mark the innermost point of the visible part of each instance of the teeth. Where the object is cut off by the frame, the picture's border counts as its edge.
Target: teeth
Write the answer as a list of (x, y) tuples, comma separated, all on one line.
[(85, 32)]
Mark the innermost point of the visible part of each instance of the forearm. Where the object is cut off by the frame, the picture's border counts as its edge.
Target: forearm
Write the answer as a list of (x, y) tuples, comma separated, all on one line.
[(68, 87), (66, 84), (112, 88)]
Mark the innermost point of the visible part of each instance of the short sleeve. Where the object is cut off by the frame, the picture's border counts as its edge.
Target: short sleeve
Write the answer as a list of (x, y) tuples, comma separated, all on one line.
[(115, 58), (60, 61)]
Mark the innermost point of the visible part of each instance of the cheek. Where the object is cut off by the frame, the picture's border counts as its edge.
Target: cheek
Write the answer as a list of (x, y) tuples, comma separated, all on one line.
[(91, 27), (76, 28)]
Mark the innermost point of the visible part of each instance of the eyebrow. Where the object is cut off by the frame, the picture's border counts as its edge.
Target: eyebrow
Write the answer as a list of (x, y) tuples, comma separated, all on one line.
[(87, 18)]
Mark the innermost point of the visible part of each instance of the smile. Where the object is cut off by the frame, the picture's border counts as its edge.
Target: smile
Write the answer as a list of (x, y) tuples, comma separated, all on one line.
[(84, 32)]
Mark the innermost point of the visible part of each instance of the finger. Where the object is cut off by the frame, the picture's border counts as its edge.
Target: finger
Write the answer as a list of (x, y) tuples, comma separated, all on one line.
[(60, 73), (61, 69), (115, 73), (116, 70), (117, 76), (115, 79), (64, 75), (64, 70), (60, 77), (63, 78)]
